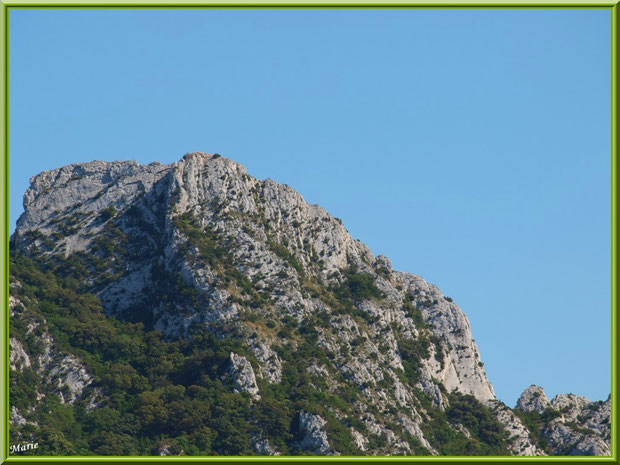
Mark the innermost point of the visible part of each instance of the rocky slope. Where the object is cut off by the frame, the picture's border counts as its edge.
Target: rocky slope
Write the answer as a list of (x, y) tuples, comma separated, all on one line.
[(569, 424), (201, 245)]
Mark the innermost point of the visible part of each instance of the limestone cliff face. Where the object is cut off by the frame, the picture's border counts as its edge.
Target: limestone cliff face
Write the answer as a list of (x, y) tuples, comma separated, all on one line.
[(201, 242), (257, 214)]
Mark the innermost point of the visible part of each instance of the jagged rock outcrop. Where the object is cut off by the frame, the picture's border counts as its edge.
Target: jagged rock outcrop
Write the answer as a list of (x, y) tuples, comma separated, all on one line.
[(16, 418), (570, 424), (199, 243), (461, 368), (533, 399), (519, 437), (314, 437), (567, 440), (243, 375), (18, 358), (263, 447)]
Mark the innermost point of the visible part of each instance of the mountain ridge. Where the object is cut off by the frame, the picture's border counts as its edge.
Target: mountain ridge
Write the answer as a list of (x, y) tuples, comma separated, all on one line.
[(199, 242)]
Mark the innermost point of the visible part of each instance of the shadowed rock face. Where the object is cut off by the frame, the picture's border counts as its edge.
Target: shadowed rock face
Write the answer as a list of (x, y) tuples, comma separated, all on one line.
[(201, 242), (314, 437)]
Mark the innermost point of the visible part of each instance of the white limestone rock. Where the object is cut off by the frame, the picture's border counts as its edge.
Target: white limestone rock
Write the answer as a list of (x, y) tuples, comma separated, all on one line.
[(566, 440), (462, 368), (519, 439), (359, 440), (243, 374), (577, 426), (71, 378), (533, 399), (570, 405), (16, 418), (314, 436), (271, 368), (18, 357), (263, 447)]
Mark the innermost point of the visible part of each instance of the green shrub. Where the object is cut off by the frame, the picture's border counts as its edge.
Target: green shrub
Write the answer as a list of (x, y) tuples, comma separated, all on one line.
[(108, 213), (357, 286)]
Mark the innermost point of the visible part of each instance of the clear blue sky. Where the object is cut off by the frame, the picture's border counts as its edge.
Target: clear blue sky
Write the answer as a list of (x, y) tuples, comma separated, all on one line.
[(472, 147)]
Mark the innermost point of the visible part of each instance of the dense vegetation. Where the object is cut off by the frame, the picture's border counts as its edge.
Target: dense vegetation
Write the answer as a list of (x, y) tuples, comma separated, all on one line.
[(535, 422), (149, 392), (175, 393), (154, 391)]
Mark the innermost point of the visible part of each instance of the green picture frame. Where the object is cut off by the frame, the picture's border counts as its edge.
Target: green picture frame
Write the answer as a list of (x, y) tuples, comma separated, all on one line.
[(5, 9)]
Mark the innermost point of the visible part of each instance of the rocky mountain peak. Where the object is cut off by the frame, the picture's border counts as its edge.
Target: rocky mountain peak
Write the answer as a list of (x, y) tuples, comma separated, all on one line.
[(272, 236), (200, 245), (533, 399), (569, 424)]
